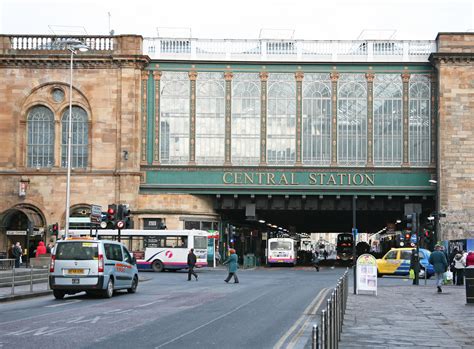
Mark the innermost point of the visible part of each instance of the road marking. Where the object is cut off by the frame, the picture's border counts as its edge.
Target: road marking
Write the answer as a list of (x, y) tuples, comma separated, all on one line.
[(147, 304), (296, 337), (63, 303), (308, 309), (210, 322), (43, 331)]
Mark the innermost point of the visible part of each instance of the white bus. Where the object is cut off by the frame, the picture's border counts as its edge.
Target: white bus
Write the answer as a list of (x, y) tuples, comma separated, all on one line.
[(158, 250), (281, 251)]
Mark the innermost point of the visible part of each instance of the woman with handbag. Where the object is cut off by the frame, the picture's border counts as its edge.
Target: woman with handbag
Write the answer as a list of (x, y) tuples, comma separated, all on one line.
[(459, 265)]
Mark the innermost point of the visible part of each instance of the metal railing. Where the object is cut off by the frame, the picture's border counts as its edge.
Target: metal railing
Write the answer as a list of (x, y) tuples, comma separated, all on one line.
[(53, 42), (289, 50), (14, 277), (327, 334)]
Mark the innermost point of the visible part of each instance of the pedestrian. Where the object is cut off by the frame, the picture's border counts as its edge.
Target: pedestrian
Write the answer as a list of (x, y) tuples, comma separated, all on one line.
[(232, 265), (218, 257), (440, 264), (451, 262), (16, 251), (10, 252), (191, 264), (325, 254), (315, 259), (414, 263), (41, 249), (470, 260), (459, 265)]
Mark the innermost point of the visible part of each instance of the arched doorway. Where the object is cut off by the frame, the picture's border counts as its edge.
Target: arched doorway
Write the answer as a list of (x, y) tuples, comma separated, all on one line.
[(24, 224)]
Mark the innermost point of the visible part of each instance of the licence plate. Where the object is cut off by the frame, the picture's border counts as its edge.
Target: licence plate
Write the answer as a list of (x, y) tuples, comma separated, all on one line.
[(75, 271), (75, 281)]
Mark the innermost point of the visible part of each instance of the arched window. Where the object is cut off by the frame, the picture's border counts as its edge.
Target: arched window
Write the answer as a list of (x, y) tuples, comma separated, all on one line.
[(210, 118), (316, 119), (79, 139), (174, 118), (40, 143), (352, 120), (388, 120), (281, 119), (245, 119), (419, 123)]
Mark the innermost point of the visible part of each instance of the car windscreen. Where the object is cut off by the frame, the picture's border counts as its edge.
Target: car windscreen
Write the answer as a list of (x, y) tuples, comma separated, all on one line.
[(200, 242), (77, 250), (280, 245)]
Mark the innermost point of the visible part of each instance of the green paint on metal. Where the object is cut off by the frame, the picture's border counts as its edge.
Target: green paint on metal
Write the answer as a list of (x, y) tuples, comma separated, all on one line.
[(310, 182), (150, 118), (294, 67)]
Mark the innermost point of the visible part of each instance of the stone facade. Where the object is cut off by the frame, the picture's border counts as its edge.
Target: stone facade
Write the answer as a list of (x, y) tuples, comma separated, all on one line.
[(454, 63)]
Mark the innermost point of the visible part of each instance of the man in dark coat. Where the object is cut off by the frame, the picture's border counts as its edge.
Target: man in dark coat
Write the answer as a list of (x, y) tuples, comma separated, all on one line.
[(16, 251), (440, 263), (191, 264)]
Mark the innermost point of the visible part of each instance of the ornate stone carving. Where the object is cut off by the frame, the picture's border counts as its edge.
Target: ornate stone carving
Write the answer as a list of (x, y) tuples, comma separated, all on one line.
[(263, 76), (192, 75)]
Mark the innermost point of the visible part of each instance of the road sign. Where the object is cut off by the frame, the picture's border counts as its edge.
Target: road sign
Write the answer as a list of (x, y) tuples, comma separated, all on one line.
[(96, 214), (120, 224)]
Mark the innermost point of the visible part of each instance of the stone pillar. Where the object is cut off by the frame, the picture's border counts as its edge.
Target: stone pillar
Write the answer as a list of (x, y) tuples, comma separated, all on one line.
[(145, 75), (299, 76), (406, 118), (263, 119), (156, 148), (370, 119), (228, 118), (334, 79), (434, 123), (192, 119)]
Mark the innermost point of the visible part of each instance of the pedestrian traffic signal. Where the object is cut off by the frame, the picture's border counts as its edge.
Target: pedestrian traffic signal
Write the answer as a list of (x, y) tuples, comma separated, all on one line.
[(55, 229)]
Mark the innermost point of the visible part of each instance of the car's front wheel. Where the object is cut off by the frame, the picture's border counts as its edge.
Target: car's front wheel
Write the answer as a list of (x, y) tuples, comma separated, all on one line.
[(134, 286)]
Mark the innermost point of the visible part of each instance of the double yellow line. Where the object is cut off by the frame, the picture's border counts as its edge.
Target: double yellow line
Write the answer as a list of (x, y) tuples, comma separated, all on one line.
[(299, 327)]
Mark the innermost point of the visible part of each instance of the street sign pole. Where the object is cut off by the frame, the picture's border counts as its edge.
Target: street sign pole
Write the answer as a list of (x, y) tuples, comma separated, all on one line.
[(354, 234)]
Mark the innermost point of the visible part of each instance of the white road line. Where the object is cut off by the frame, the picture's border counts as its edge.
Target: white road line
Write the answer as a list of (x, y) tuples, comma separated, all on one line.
[(301, 318), (147, 304), (72, 301), (295, 339), (210, 322)]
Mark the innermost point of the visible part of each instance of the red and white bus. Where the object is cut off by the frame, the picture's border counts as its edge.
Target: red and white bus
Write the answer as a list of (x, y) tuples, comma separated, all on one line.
[(281, 251), (158, 250)]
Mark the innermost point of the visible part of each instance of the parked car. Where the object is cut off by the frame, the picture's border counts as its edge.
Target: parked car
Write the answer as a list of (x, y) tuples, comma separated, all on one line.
[(94, 266), (397, 262)]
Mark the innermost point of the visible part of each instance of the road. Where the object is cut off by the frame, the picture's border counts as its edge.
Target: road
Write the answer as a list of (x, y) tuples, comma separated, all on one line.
[(265, 310)]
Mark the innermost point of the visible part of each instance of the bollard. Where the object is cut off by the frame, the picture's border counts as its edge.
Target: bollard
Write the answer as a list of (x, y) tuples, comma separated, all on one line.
[(329, 325), (334, 341), (13, 281), (324, 329), (31, 279), (315, 344)]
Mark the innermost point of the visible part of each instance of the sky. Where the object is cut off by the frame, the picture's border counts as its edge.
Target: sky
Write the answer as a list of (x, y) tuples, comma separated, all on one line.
[(220, 19)]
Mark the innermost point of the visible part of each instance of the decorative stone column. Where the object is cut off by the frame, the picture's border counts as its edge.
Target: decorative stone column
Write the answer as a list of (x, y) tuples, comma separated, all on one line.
[(145, 75), (228, 118), (334, 78), (299, 76), (434, 123), (156, 148), (406, 118), (192, 118), (370, 119), (263, 119)]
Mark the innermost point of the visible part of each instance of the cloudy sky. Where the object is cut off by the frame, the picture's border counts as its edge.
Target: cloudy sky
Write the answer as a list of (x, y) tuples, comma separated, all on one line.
[(304, 19)]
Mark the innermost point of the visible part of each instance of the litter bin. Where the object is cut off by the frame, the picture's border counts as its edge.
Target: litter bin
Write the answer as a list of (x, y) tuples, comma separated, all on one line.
[(469, 279)]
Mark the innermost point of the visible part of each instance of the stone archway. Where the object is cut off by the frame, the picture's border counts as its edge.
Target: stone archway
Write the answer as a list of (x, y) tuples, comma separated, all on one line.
[(22, 223)]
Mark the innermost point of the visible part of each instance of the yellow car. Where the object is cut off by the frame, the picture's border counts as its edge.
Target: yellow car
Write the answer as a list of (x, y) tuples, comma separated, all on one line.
[(397, 262)]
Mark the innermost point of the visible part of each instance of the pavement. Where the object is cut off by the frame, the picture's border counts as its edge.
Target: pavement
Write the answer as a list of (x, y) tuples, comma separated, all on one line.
[(409, 316)]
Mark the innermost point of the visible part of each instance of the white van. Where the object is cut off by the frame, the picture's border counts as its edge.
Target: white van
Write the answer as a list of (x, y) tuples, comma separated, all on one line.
[(93, 266)]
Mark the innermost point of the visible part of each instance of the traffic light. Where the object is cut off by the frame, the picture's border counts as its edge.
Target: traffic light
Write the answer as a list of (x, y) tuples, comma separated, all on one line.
[(412, 222), (55, 229), (111, 216), (123, 217)]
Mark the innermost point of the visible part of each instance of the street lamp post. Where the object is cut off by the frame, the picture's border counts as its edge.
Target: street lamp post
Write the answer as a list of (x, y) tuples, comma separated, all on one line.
[(72, 45)]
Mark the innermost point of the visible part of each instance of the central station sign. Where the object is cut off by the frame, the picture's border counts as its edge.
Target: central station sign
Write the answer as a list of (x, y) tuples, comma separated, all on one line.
[(314, 182), (292, 178)]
